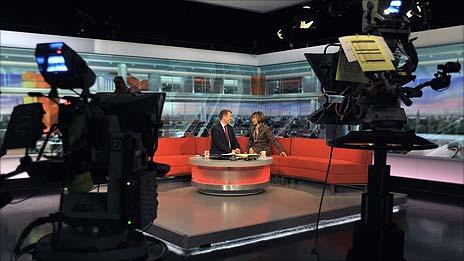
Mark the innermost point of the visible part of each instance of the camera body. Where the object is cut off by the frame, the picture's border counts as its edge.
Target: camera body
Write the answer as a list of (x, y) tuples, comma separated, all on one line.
[(375, 103), (106, 138)]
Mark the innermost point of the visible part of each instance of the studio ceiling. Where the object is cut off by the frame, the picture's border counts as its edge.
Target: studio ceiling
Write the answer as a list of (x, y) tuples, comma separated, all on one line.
[(260, 6), (244, 26)]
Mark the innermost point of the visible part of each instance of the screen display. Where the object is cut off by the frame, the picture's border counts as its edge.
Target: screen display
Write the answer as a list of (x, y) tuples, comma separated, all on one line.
[(56, 64), (394, 7)]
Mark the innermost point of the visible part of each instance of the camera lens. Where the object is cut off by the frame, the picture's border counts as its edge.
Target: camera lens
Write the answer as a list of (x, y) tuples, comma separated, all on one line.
[(450, 67)]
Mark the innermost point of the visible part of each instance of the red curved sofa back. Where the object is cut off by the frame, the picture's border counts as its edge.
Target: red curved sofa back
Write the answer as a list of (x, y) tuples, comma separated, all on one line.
[(189, 145), (175, 146), (319, 149), (293, 146), (285, 142), (202, 144)]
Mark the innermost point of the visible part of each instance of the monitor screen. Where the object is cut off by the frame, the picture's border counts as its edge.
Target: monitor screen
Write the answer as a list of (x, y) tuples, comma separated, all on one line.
[(137, 113), (394, 8), (325, 68)]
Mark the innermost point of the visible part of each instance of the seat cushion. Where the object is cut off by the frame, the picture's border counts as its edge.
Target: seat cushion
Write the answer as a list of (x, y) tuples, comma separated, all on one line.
[(180, 171), (320, 164), (174, 160), (179, 164)]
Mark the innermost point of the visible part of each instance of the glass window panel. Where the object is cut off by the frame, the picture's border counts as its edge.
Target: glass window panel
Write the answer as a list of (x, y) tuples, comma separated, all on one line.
[(194, 91)]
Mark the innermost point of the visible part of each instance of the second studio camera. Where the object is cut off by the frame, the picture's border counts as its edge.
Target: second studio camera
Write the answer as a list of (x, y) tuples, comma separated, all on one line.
[(106, 138), (372, 99)]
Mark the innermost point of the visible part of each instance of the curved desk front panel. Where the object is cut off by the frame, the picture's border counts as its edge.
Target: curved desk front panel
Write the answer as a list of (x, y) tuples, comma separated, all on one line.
[(219, 177)]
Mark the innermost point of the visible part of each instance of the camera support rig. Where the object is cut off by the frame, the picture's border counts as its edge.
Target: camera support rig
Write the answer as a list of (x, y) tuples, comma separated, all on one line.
[(375, 106), (108, 137), (376, 236)]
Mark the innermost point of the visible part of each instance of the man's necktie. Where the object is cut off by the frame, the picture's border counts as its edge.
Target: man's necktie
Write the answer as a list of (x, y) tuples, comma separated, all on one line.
[(227, 134)]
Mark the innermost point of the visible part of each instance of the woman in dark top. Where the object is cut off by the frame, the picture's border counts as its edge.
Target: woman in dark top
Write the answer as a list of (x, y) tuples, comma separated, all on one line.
[(261, 136)]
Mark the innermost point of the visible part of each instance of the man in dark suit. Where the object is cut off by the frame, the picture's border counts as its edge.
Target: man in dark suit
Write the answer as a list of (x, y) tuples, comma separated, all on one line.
[(223, 138)]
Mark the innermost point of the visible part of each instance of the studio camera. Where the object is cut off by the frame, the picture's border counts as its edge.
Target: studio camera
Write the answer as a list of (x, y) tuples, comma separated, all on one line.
[(106, 138), (364, 84), (372, 98)]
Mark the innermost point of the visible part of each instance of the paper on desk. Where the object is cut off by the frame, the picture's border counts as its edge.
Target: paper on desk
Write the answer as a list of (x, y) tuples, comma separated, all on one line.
[(242, 155)]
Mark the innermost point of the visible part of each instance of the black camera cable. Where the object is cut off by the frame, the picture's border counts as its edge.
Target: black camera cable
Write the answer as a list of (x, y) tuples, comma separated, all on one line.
[(315, 250), (154, 242), (18, 249)]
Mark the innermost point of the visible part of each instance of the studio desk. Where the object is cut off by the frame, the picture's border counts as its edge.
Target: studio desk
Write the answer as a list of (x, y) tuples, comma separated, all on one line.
[(307, 159)]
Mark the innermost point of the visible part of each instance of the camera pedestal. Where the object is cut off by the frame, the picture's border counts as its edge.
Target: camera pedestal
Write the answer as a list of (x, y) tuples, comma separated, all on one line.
[(376, 236), (90, 244)]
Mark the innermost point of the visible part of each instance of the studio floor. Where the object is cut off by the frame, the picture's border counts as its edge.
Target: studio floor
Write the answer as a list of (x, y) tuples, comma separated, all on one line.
[(197, 223), (434, 228)]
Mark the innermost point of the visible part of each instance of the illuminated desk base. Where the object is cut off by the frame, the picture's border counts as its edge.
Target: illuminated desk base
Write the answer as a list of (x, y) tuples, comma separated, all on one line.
[(234, 178)]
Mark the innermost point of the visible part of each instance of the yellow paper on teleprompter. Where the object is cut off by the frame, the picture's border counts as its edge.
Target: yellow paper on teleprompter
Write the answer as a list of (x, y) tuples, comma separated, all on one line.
[(350, 72), (370, 51)]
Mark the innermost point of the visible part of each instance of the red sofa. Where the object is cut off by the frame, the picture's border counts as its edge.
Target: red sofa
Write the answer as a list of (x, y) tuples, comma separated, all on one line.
[(177, 151), (307, 159)]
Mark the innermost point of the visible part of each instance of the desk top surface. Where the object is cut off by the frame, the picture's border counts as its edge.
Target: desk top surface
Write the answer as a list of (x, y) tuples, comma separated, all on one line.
[(207, 162)]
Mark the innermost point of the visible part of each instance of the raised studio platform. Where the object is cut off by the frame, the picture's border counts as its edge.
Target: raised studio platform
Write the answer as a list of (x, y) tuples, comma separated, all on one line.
[(193, 223)]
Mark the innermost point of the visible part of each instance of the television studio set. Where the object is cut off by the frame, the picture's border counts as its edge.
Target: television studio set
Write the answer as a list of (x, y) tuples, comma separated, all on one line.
[(322, 130)]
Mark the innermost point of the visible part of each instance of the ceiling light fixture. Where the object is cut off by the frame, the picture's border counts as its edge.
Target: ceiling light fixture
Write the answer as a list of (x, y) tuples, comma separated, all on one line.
[(306, 25), (415, 11)]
